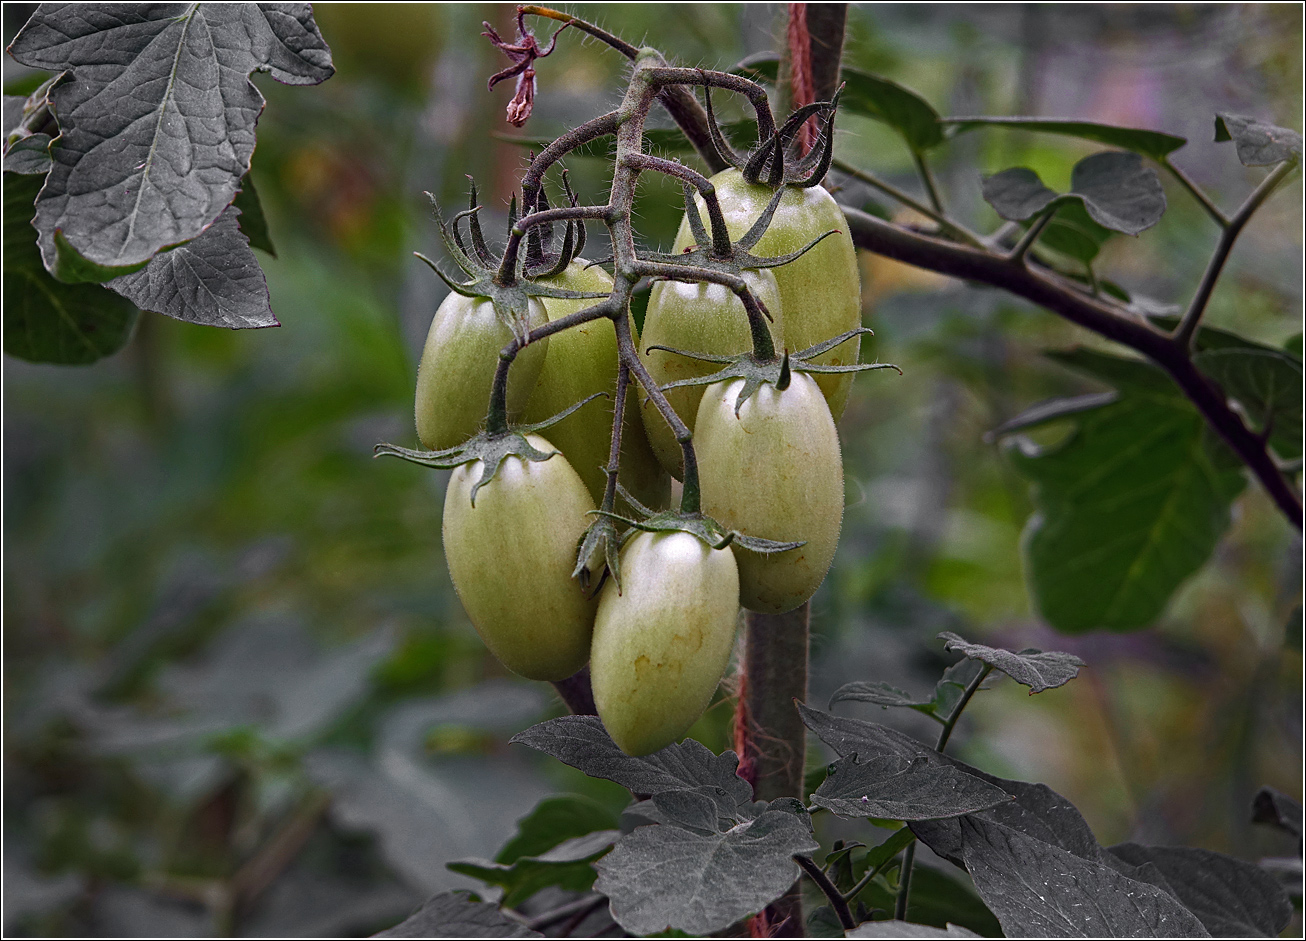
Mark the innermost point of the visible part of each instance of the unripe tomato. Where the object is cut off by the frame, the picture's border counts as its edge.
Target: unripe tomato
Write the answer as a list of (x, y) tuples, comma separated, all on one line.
[(821, 291), (773, 472), (663, 640), (511, 556), (457, 369), (582, 361), (702, 318)]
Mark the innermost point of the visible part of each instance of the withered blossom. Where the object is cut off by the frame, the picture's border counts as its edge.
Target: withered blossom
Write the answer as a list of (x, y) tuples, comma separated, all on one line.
[(523, 54)]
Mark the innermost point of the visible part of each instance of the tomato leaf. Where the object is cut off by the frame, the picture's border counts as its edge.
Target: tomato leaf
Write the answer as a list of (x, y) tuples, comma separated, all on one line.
[(662, 877), (252, 221), (907, 929), (1278, 809), (1116, 190), (568, 866), (1259, 143), (157, 121), (1154, 144), (554, 820), (1268, 385), (1032, 668), (881, 694), (1016, 194), (47, 321), (455, 915), (889, 786), (213, 280)]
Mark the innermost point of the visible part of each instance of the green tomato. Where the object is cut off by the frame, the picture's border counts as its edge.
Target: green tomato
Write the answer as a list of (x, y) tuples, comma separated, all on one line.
[(821, 291), (511, 556), (457, 369), (582, 361), (703, 318), (773, 472), (662, 641)]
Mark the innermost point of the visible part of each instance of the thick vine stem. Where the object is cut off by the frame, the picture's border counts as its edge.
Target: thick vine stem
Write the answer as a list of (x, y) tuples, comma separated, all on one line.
[(837, 901)]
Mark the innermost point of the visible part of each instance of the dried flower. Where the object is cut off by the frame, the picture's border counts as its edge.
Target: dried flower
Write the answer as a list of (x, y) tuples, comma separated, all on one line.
[(523, 54)]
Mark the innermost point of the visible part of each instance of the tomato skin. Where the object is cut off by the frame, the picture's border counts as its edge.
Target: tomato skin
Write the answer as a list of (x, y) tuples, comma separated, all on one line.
[(663, 641), (703, 318), (511, 556), (774, 472), (457, 369), (821, 291), (582, 361)]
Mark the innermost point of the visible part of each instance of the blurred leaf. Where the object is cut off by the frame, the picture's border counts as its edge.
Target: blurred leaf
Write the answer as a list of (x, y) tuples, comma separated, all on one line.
[(1129, 506), (1154, 144), (1032, 668), (1293, 346), (554, 820), (213, 280), (666, 877), (941, 898), (877, 856), (881, 694), (47, 321), (1276, 808), (253, 223), (1016, 194), (1038, 890), (903, 789), (455, 915), (906, 929), (1268, 384), (157, 123), (1259, 143), (1232, 898), (1116, 190), (30, 154), (567, 866)]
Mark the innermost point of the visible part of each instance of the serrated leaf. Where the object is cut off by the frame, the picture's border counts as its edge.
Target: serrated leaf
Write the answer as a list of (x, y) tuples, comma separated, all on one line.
[(1232, 898), (1039, 890), (568, 866), (1268, 385), (1119, 191), (252, 221), (213, 280), (583, 743), (1016, 194), (157, 121), (1154, 144), (554, 820), (1032, 668), (455, 915), (898, 788), (1259, 143), (47, 321), (907, 929), (666, 877)]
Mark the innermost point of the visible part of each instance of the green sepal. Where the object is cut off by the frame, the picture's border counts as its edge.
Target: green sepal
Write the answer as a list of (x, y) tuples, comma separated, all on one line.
[(712, 533), (599, 552)]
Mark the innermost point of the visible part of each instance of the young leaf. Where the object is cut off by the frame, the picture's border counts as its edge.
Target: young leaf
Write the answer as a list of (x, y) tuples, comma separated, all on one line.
[(1232, 898), (157, 122), (1259, 143), (1039, 890), (1016, 194), (455, 915), (554, 820), (1154, 144), (568, 866), (888, 786), (1268, 385), (47, 321), (666, 877), (1119, 192), (1032, 668), (213, 280), (583, 743), (907, 929)]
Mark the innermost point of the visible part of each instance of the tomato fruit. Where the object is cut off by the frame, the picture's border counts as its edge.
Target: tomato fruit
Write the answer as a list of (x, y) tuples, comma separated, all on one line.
[(821, 291), (581, 361), (774, 472), (662, 641), (511, 555), (457, 369), (702, 318)]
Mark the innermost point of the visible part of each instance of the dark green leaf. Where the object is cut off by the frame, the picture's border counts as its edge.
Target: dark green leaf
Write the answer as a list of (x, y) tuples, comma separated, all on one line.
[(907, 929), (877, 856), (941, 898), (898, 788), (1073, 232), (252, 221), (553, 820), (1032, 668), (1119, 192), (455, 915), (1293, 346), (1052, 410), (1129, 506), (31, 154), (583, 743), (213, 280), (1275, 807), (1039, 890), (1259, 143), (1232, 898), (1016, 194), (1212, 338), (822, 922), (1154, 144), (1268, 385), (157, 123), (568, 866), (47, 321), (667, 877)]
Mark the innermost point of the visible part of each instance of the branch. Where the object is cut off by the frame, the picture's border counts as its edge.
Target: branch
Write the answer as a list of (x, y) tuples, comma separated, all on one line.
[(823, 883)]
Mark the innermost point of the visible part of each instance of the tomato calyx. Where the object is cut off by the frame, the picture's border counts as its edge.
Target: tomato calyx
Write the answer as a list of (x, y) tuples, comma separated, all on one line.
[(775, 371), (490, 447), (767, 164), (708, 530)]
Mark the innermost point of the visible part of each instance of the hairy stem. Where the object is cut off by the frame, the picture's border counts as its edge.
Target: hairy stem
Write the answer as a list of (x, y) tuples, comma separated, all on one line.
[(837, 901)]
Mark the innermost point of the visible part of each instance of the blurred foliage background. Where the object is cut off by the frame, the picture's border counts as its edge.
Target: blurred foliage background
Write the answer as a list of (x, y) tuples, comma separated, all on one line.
[(240, 695)]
